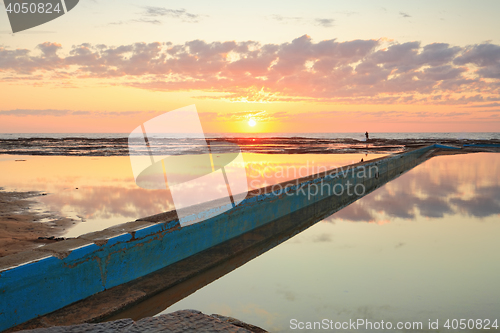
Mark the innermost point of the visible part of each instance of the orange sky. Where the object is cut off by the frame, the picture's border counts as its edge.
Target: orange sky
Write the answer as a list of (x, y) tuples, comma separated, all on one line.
[(380, 78), (119, 109)]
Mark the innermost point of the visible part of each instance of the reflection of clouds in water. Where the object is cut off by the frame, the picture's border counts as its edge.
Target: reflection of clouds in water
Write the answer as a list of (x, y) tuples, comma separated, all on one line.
[(485, 203), (489, 191), (107, 189), (397, 204), (270, 318), (105, 202), (433, 207), (438, 187), (286, 293), (323, 238), (253, 312), (466, 184), (355, 213), (478, 207)]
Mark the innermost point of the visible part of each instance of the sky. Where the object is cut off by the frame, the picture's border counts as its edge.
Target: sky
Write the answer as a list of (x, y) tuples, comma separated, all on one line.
[(290, 66)]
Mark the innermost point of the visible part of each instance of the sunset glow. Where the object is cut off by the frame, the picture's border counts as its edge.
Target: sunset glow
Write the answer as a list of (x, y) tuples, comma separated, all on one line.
[(320, 67)]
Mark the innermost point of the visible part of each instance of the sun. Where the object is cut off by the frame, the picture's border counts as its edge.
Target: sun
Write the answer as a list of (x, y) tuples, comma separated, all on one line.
[(252, 122)]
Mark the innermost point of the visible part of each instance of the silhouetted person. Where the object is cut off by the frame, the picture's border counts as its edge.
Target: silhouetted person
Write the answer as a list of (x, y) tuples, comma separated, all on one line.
[(366, 134)]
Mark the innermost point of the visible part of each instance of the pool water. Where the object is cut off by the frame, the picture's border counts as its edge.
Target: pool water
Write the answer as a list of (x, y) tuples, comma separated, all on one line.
[(422, 248)]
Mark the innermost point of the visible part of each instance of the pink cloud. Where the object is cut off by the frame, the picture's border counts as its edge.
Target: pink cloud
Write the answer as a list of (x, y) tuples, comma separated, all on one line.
[(359, 71)]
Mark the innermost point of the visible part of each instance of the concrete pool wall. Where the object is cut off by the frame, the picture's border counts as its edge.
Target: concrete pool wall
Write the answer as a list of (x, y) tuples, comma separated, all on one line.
[(37, 282)]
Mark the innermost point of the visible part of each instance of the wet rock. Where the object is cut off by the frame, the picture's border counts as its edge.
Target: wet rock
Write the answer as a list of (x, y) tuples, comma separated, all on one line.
[(239, 323), (52, 238), (176, 322), (108, 327)]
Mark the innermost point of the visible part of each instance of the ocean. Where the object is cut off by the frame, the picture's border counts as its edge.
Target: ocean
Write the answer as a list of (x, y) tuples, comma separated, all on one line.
[(117, 144)]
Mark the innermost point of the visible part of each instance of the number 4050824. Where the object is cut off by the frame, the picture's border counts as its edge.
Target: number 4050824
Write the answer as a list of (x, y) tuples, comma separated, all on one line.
[(484, 324), (41, 8)]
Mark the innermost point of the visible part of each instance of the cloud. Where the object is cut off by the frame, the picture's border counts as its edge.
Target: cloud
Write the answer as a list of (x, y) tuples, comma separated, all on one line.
[(20, 61), (145, 20), (437, 54), (489, 105), (324, 22), (405, 15), (287, 19), (439, 73), (140, 20), (181, 14), (27, 112), (348, 13), (152, 15), (357, 71), (59, 113), (480, 54), (486, 56)]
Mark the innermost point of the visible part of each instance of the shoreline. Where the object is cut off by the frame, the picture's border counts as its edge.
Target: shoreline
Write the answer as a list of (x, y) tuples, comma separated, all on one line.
[(21, 227), (70, 146)]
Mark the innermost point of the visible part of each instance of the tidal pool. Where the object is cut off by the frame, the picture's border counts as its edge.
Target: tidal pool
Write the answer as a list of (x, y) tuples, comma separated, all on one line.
[(422, 248), (99, 192)]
